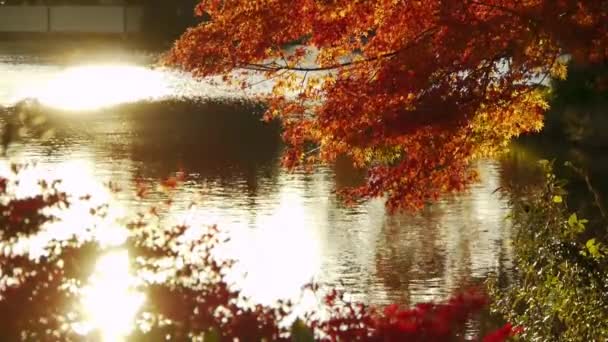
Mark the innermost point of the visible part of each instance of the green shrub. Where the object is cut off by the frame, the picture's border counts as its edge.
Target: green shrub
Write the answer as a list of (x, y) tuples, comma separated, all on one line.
[(560, 286)]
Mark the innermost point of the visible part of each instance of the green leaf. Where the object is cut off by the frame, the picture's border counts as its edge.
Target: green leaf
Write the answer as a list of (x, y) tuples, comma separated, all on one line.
[(594, 248), (557, 199), (578, 225), (572, 220)]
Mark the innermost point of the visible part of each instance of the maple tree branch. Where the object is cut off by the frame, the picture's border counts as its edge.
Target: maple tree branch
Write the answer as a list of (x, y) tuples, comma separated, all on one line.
[(277, 67), (251, 85), (488, 72), (553, 61), (269, 67), (500, 8)]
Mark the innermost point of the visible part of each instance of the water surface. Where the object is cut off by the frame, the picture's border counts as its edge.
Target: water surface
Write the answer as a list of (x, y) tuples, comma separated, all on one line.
[(131, 124)]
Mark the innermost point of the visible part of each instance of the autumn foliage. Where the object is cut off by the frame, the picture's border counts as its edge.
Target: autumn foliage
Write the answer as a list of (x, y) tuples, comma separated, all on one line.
[(415, 91), (40, 294)]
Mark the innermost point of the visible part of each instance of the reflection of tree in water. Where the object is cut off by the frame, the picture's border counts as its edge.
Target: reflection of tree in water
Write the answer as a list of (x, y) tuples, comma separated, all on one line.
[(409, 254), (202, 137), (224, 144), (215, 144), (199, 137), (448, 246)]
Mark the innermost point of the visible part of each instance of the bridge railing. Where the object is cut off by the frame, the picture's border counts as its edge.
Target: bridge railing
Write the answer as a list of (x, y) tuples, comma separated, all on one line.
[(71, 19)]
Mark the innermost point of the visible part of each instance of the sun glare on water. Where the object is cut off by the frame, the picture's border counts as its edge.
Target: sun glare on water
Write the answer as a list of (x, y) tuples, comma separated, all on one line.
[(96, 86), (110, 301)]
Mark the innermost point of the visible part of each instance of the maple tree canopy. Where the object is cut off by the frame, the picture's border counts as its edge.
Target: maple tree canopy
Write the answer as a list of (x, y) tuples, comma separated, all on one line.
[(414, 91)]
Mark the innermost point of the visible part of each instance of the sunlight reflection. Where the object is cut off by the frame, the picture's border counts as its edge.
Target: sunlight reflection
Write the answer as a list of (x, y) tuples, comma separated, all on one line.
[(97, 86), (283, 251), (283, 254), (78, 180), (110, 301)]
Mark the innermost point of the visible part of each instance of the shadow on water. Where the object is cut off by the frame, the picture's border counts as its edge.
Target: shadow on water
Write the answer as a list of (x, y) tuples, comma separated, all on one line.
[(208, 139)]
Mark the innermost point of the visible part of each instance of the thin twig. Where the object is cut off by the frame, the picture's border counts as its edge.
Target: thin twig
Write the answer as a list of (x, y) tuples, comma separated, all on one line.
[(278, 74), (596, 196)]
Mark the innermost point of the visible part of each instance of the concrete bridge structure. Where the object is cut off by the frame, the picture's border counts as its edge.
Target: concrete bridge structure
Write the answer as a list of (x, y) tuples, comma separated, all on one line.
[(71, 19)]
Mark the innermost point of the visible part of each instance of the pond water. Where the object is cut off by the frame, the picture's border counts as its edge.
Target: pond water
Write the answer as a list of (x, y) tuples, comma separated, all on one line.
[(130, 124)]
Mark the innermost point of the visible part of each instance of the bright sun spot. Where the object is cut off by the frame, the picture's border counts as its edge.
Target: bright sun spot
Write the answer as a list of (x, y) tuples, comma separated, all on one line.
[(97, 86), (110, 301)]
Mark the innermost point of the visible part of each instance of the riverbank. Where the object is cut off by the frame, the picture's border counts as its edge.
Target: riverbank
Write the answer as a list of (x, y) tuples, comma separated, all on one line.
[(579, 108)]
